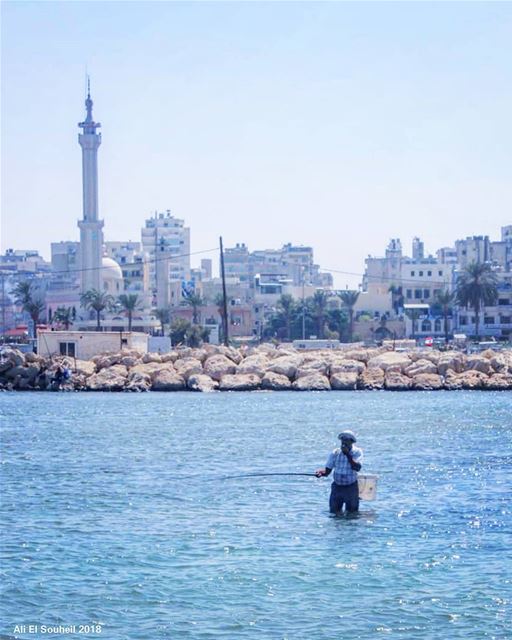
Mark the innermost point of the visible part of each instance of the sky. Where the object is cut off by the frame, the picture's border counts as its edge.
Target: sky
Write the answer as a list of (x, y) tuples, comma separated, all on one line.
[(337, 125)]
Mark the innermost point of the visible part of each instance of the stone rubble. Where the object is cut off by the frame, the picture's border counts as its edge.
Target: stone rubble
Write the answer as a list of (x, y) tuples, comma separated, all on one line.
[(265, 368)]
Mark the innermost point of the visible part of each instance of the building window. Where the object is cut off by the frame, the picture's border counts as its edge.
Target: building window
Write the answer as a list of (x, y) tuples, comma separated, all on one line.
[(463, 320), (488, 319), (440, 273), (437, 325), (426, 293), (421, 273), (417, 294), (503, 302), (505, 319), (429, 273), (67, 349), (426, 325)]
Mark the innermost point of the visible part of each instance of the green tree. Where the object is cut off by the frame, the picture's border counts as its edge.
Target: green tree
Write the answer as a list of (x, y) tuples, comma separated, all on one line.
[(64, 316), (477, 287), (35, 309), (195, 301), (97, 301), (196, 335), (164, 315), (445, 301), (22, 292), (337, 321), (349, 299), (179, 328), (319, 311), (286, 307), (129, 302)]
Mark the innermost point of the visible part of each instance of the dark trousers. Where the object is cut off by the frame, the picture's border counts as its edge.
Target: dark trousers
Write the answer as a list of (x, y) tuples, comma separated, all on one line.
[(347, 495)]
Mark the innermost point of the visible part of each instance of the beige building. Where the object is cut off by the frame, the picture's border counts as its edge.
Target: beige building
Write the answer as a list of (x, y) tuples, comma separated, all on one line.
[(83, 345)]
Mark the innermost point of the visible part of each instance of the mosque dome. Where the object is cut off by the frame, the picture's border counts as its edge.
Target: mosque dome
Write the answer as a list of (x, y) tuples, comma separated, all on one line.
[(111, 277)]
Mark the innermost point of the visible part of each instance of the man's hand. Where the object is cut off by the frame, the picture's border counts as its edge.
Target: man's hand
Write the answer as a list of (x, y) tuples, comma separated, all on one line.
[(345, 450), (319, 473)]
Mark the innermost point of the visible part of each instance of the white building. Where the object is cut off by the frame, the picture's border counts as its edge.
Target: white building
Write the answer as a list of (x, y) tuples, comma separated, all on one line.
[(83, 345), (166, 243)]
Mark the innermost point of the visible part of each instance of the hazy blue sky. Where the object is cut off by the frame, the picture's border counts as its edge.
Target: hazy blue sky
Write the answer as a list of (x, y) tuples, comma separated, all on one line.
[(338, 125)]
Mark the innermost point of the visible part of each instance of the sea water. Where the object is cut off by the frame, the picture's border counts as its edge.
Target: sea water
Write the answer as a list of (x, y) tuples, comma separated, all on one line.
[(118, 520)]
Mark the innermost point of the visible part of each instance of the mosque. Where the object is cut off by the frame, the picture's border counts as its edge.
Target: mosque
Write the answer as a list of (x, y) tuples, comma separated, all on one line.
[(83, 266)]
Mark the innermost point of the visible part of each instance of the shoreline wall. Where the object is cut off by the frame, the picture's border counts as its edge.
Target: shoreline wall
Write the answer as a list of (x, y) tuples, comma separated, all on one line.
[(265, 367)]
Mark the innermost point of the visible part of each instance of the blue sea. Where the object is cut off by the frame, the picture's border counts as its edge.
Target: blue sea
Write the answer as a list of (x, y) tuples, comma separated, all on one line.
[(118, 520)]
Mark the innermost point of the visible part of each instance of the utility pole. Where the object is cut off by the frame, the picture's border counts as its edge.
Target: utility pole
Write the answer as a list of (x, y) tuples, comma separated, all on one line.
[(224, 295), (3, 304), (303, 305)]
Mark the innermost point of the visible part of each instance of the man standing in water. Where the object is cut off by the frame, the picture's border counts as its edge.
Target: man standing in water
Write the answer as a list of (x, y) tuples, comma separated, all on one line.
[(346, 462)]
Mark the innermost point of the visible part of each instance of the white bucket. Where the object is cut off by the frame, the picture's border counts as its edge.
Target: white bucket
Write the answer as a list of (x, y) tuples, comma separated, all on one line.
[(367, 486)]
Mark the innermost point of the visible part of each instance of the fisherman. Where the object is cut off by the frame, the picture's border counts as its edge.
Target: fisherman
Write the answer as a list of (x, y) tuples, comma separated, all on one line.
[(346, 462)]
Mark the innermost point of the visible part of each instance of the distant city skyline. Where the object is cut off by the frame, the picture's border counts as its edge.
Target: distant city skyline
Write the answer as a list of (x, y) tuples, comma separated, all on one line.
[(334, 125)]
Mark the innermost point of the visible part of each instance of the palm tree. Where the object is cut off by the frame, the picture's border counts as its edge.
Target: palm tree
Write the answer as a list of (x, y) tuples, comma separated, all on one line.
[(35, 309), (445, 300), (286, 307), (337, 321), (97, 301), (164, 315), (195, 301), (129, 302), (64, 316), (319, 306), (22, 292), (349, 299), (477, 288)]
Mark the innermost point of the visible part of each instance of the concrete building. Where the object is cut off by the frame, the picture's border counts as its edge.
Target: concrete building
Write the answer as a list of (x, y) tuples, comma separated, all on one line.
[(166, 243), (83, 345), (134, 268), (91, 227)]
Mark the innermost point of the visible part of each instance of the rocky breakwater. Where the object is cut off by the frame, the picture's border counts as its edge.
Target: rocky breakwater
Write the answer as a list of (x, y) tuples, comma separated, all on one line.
[(266, 367)]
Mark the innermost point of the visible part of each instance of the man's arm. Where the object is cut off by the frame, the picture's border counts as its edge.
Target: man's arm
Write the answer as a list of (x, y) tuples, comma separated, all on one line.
[(323, 473), (356, 466)]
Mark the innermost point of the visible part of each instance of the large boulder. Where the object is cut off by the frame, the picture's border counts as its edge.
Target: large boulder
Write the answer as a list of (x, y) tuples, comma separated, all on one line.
[(34, 358), (14, 356), (431, 356), (106, 380), (498, 382), (310, 366), (479, 363), (105, 360), (167, 380), (230, 352), (240, 382), (347, 366), (390, 361), (467, 380), (395, 381), (362, 355), (151, 357), (371, 379), (218, 365), (286, 365), (199, 354), (344, 380), (427, 382), (186, 367), (152, 368), (27, 373), (84, 367), (420, 366), (500, 363), (172, 356), (312, 382), (129, 361), (138, 381), (275, 382), (256, 364), (451, 361), (202, 382)]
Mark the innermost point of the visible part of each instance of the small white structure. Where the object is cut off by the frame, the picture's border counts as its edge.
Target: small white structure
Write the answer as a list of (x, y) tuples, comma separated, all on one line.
[(86, 344), (316, 344)]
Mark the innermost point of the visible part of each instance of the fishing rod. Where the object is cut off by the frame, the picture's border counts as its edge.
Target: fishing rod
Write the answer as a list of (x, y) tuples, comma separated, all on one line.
[(259, 475)]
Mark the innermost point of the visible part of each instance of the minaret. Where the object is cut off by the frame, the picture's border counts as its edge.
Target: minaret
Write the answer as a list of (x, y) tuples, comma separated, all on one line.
[(91, 234)]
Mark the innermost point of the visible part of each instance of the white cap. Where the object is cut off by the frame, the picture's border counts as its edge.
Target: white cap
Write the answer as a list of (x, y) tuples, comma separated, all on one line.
[(347, 435)]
